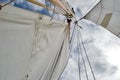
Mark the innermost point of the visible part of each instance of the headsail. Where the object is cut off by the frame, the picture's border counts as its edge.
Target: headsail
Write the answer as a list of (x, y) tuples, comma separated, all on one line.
[(107, 14), (82, 7)]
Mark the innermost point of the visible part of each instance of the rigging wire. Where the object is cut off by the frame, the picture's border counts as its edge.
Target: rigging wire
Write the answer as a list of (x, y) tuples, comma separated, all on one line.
[(79, 51), (89, 10), (71, 42), (57, 57), (83, 59), (44, 6), (72, 35), (87, 56)]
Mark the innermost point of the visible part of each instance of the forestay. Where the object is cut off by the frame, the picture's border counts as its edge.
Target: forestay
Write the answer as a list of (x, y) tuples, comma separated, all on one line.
[(31, 46)]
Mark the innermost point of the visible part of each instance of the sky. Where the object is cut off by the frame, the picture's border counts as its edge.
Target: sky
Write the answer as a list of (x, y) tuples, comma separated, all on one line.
[(103, 50), (102, 46)]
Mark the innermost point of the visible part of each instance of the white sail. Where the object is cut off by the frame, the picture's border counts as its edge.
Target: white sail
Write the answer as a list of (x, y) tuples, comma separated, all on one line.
[(107, 14), (82, 7), (31, 46)]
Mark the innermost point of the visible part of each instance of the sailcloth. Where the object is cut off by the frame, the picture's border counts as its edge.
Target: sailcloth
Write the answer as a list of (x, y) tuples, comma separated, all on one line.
[(107, 14), (31, 46)]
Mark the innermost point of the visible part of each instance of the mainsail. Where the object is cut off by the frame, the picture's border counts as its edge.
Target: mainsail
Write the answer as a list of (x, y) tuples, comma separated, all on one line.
[(31, 46), (34, 47)]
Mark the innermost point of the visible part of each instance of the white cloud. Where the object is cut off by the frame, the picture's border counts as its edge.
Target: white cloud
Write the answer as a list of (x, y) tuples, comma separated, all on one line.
[(71, 72), (103, 50), (102, 46), (83, 6)]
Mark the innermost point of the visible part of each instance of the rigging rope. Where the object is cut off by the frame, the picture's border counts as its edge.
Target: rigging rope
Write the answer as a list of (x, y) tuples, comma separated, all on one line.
[(79, 51), (87, 57), (72, 35), (71, 42), (89, 10), (55, 61), (83, 59), (44, 6)]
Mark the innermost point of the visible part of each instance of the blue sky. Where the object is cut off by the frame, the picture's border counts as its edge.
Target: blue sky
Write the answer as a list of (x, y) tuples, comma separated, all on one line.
[(102, 46)]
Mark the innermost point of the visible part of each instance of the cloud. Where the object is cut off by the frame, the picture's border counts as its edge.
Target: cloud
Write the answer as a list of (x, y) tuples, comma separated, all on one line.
[(4, 1), (102, 47), (99, 45), (82, 6), (32, 7), (71, 72)]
